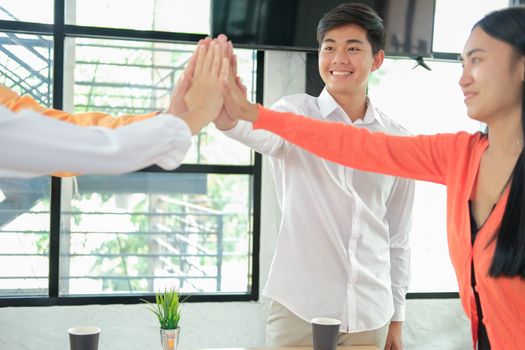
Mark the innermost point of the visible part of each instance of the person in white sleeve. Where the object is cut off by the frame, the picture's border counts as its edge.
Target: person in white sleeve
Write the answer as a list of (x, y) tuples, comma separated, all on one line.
[(34, 145), (342, 250)]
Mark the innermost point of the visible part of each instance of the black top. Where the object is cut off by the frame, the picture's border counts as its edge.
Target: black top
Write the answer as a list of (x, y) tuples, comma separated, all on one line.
[(483, 339)]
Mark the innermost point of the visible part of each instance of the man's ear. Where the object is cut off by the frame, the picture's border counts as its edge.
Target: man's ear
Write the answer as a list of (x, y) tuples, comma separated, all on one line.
[(379, 57)]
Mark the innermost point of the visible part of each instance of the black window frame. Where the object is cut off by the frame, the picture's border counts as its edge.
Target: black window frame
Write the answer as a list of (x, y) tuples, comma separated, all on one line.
[(60, 31)]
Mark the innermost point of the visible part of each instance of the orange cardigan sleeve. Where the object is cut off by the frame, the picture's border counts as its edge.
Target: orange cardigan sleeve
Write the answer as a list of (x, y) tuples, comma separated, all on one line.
[(15, 102), (417, 157)]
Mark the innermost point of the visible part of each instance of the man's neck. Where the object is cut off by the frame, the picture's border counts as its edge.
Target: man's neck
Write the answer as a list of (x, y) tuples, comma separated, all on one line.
[(354, 105)]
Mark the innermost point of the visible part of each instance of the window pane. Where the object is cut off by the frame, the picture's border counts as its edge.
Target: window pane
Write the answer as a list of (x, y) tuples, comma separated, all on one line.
[(24, 236), (40, 11), (142, 232), (130, 77), (163, 15), (454, 19), (25, 62), (425, 102)]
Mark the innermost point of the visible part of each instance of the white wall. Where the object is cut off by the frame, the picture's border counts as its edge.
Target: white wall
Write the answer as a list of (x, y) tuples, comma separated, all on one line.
[(430, 324)]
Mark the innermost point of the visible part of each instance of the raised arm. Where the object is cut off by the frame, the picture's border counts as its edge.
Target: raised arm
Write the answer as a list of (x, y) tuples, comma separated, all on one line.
[(33, 145), (417, 157), (261, 141)]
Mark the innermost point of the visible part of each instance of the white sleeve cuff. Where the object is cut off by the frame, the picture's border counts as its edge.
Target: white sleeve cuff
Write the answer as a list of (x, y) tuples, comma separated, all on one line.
[(238, 129), (181, 142), (399, 312)]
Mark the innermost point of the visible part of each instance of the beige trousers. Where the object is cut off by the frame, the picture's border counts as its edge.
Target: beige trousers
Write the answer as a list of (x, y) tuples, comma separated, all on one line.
[(284, 328)]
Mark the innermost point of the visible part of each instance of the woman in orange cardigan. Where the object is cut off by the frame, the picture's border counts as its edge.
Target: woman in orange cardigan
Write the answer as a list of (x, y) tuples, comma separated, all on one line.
[(484, 173)]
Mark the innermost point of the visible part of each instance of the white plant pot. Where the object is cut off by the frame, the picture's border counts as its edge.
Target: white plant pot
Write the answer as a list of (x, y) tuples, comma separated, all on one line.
[(169, 338)]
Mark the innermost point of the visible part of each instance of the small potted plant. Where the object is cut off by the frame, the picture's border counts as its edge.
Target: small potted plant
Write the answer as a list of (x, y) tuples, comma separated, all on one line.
[(167, 310)]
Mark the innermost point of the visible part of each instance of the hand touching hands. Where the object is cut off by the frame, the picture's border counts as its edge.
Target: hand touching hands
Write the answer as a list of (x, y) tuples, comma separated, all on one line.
[(224, 121), (235, 102), (177, 104), (204, 99), (209, 89)]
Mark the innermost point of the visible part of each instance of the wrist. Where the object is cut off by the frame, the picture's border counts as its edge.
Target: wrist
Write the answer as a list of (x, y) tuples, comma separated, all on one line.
[(226, 127), (251, 112), (197, 118), (398, 325)]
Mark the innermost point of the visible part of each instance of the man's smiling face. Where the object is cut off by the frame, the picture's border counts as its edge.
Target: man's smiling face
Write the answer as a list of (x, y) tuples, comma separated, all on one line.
[(346, 60)]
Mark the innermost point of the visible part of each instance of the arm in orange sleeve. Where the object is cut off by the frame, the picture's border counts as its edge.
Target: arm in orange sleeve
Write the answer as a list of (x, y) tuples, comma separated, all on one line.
[(15, 102), (423, 157)]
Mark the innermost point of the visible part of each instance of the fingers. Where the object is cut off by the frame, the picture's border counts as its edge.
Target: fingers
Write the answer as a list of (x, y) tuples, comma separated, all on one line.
[(241, 86), (225, 70), (222, 38), (183, 84), (229, 101), (210, 58), (208, 55), (218, 54), (232, 98), (201, 57), (234, 64), (190, 68), (177, 105)]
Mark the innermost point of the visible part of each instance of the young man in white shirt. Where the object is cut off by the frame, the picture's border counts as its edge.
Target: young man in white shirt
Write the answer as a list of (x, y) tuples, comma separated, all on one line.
[(342, 251)]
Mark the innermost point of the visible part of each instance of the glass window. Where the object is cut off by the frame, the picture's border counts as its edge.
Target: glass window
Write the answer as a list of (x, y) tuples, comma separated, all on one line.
[(136, 233), (116, 76), (24, 236), (146, 231), (454, 19), (40, 11), (425, 102), (162, 15), (25, 62)]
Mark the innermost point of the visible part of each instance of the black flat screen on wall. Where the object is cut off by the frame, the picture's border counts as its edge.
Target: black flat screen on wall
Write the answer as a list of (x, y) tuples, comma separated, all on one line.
[(292, 24)]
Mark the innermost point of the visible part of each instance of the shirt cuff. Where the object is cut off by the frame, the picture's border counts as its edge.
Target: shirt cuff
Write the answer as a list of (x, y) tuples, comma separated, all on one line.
[(237, 130), (181, 142), (399, 312)]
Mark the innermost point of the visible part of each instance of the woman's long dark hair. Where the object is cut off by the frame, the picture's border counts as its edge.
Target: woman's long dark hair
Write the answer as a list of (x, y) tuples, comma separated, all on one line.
[(508, 25)]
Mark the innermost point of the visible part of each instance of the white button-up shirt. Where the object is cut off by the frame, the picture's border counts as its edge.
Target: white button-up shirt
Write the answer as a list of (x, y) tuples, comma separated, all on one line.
[(342, 250), (33, 145)]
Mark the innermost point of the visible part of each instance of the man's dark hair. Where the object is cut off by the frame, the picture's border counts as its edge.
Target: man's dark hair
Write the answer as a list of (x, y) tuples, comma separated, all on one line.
[(354, 13)]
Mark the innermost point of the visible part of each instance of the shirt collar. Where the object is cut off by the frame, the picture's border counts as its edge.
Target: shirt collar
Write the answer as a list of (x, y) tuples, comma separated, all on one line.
[(328, 105)]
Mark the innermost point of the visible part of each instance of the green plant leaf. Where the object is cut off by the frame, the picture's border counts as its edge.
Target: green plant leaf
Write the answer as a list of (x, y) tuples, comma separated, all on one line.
[(166, 308)]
